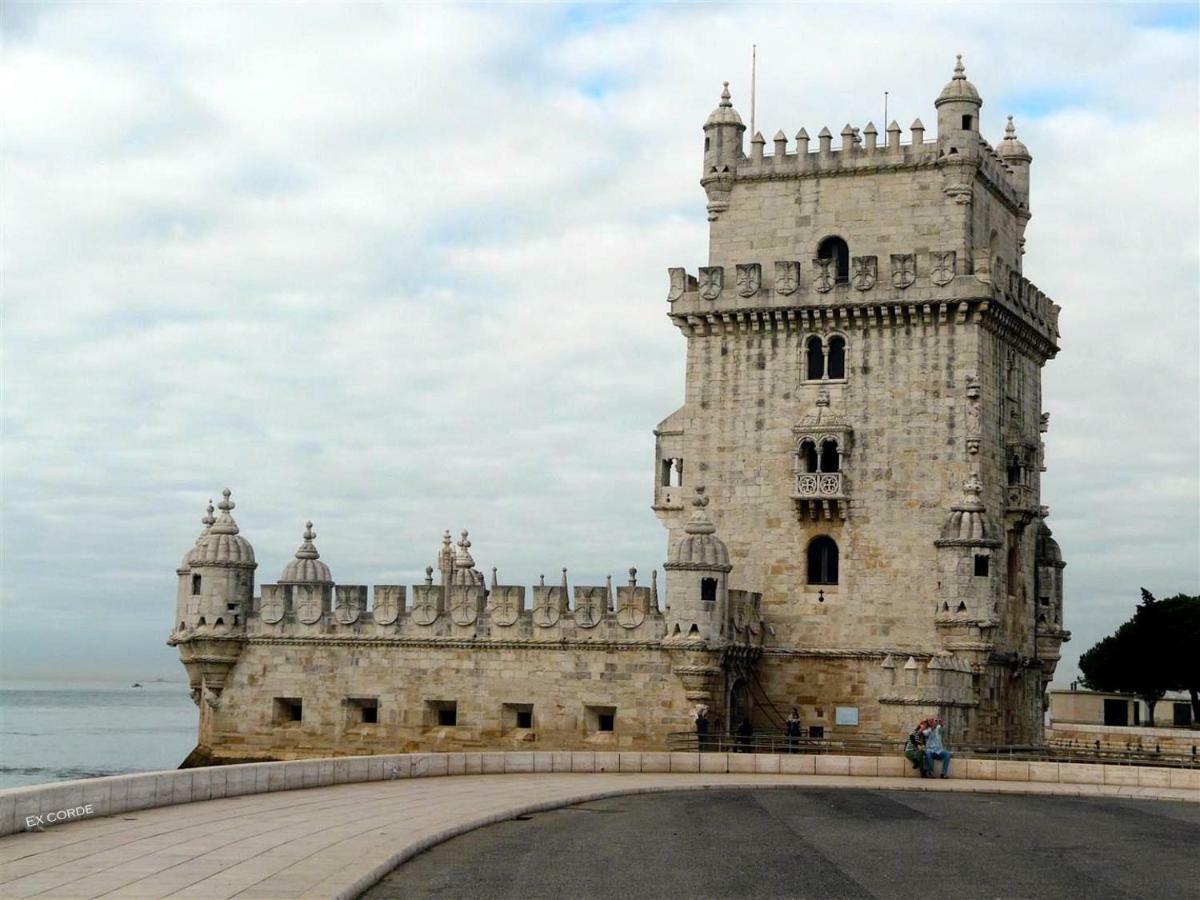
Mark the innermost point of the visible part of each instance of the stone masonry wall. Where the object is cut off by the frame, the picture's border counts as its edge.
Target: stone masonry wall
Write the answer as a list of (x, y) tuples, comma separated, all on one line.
[(488, 685)]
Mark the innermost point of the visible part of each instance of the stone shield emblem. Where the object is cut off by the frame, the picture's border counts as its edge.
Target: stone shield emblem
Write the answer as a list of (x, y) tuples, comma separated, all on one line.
[(866, 272), (749, 279), (345, 611), (942, 271), (712, 279), (308, 609), (387, 610), (904, 270), (787, 276), (824, 274), (272, 610), (678, 284), (590, 605)]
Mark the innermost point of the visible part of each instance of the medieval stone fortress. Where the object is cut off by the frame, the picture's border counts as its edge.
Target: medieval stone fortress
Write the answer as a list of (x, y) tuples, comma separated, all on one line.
[(851, 492)]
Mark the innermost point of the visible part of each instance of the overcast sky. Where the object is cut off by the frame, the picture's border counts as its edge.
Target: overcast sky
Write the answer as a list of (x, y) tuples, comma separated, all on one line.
[(401, 269)]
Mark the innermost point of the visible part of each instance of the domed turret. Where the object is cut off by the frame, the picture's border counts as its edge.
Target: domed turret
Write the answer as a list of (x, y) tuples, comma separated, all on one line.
[(307, 567), (958, 110), (221, 569), (697, 587), (1016, 154), (722, 151)]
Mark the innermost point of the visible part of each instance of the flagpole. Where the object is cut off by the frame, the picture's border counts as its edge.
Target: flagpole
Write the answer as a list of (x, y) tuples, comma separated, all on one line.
[(753, 87)]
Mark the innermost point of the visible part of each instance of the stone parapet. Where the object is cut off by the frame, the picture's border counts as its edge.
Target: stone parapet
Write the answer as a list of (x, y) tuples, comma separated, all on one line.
[(127, 793)]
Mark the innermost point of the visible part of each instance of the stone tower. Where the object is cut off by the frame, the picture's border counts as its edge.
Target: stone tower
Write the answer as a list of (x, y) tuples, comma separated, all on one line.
[(863, 406)]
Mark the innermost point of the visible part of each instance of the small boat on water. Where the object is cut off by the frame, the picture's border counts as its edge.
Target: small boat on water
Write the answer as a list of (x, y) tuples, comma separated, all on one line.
[(135, 684)]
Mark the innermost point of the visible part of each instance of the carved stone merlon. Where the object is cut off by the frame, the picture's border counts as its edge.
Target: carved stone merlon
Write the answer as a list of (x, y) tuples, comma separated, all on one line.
[(712, 281), (787, 276), (865, 272), (749, 279)]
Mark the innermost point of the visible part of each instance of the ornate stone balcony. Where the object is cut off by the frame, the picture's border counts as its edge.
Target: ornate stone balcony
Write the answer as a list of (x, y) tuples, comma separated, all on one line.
[(820, 495)]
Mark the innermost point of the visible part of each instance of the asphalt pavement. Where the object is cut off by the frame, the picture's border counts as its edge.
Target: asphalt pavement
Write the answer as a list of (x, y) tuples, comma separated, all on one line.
[(815, 843)]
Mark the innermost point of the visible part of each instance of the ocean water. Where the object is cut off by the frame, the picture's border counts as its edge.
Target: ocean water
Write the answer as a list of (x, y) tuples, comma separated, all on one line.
[(56, 731)]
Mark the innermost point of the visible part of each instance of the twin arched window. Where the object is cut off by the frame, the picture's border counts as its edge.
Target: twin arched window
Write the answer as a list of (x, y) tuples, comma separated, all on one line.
[(823, 560), (825, 360), (826, 458)]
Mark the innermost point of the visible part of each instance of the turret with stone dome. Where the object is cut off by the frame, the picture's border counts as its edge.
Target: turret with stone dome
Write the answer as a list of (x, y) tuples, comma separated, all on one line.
[(220, 573), (958, 108), (697, 581)]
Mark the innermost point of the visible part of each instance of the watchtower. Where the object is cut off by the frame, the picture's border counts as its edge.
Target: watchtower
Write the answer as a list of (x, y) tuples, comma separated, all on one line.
[(863, 405)]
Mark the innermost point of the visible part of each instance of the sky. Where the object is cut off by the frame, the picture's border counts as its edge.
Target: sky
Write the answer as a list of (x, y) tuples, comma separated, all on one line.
[(402, 268)]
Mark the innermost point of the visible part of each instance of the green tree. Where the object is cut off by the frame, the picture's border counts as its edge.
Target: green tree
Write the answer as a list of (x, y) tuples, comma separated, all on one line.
[(1132, 660), (1175, 622)]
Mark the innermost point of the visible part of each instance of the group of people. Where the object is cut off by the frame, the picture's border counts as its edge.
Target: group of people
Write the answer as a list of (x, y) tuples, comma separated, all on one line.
[(925, 744), (710, 722)]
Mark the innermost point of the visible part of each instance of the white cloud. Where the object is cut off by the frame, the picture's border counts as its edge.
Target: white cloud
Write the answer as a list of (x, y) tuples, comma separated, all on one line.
[(402, 269)]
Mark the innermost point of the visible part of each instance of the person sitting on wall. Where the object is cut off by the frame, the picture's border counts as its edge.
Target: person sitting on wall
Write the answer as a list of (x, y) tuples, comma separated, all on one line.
[(792, 725), (914, 750), (702, 727), (934, 748)]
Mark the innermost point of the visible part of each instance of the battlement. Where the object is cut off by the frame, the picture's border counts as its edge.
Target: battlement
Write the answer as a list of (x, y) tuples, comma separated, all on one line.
[(908, 288), (860, 152)]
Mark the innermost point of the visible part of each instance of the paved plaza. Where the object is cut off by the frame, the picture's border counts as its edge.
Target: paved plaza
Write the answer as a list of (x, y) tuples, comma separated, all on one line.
[(337, 841), (819, 843)]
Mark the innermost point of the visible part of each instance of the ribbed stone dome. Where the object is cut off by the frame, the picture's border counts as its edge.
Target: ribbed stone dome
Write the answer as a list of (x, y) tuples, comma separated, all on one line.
[(967, 522), (307, 567), (223, 546), (1011, 147), (958, 89), (700, 548), (724, 114)]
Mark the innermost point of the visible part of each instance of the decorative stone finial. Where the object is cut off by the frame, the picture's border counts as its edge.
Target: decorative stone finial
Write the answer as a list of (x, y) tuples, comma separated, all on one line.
[(633, 576), (960, 70), (224, 523), (494, 581), (308, 549), (429, 575), (726, 97), (1010, 130), (208, 520)]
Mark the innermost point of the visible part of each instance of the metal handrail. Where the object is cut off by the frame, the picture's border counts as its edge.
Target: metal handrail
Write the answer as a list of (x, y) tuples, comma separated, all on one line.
[(865, 745)]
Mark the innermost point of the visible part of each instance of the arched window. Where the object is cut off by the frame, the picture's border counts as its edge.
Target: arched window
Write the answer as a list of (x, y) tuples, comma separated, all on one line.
[(816, 359), (830, 458), (823, 561), (808, 450), (834, 247), (837, 357)]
